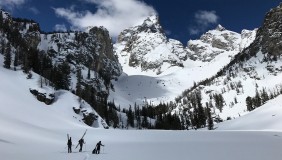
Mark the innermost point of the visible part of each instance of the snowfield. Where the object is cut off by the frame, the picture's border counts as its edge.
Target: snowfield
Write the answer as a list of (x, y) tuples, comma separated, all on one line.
[(31, 130), (137, 85)]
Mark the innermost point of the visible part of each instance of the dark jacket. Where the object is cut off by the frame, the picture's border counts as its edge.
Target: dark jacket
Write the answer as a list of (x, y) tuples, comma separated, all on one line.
[(81, 142), (98, 145), (69, 142)]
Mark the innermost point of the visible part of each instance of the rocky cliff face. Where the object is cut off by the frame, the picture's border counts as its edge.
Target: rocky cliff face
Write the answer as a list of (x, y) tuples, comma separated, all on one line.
[(217, 41), (270, 33), (251, 79), (81, 62), (29, 30), (146, 46), (93, 50)]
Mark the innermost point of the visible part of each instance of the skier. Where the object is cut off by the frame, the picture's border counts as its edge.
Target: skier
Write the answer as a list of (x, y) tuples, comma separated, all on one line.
[(69, 145), (81, 142), (98, 145)]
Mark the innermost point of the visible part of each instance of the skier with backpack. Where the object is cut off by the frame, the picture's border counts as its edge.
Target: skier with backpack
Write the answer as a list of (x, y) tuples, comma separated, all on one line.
[(81, 142), (97, 148), (69, 145)]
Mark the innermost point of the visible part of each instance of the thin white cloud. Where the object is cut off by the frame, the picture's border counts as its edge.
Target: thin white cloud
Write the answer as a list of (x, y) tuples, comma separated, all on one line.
[(194, 30), (203, 19), (10, 4), (60, 27), (206, 17), (115, 15), (34, 10), (167, 32)]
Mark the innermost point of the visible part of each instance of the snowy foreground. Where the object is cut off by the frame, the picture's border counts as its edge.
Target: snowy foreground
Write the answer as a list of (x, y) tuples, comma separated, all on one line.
[(31, 130), (145, 145)]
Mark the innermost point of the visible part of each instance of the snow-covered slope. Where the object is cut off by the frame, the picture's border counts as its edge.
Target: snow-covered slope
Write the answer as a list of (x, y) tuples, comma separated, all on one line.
[(201, 59), (250, 79), (81, 62), (267, 117), (19, 105), (32, 130)]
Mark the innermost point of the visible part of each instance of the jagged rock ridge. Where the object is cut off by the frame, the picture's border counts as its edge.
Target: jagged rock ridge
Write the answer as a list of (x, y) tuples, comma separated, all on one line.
[(57, 57), (146, 46), (217, 41), (251, 79)]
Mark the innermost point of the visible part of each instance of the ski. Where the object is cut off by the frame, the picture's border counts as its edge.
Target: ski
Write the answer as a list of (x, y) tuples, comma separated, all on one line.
[(81, 138)]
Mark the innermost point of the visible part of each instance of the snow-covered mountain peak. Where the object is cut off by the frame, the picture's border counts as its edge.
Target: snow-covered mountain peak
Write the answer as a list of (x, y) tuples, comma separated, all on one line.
[(5, 14), (217, 41), (247, 37), (220, 28), (146, 48), (152, 20), (149, 26), (221, 38)]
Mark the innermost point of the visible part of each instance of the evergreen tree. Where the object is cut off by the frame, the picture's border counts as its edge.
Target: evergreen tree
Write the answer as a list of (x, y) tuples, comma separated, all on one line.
[(159, 122), (26, 64), (105, 115), (46, 66), (78, 83), (210, 120), (8, 57), (194, 118), (1, 19), (201, 113), (257, 100), (219, 101), (62, 76), (264, 96), (145, 122), (113, 117), (130, 117), (138, 117), (168, 122), (34, 61), (249, 103), (3, 46), (176, 123), (88, 73), (16, 60), (235, 100)]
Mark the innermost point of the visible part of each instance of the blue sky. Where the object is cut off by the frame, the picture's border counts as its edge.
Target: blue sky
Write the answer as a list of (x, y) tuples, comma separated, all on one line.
[(181, 19)]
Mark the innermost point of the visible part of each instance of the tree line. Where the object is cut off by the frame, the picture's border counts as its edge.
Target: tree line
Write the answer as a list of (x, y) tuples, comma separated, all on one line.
[(262, 96)]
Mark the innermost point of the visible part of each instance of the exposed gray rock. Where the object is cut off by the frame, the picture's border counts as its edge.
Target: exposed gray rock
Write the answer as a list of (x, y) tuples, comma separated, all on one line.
[(146, 46), (92, 49), (217, 41), (270, 33), (42, 97)]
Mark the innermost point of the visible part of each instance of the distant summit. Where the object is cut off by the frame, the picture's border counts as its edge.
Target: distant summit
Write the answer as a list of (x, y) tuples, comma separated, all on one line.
[(220, 28), (146, 47)]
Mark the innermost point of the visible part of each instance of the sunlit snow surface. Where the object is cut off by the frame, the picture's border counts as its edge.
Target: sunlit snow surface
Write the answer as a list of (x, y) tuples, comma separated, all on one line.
[(31, 130)]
